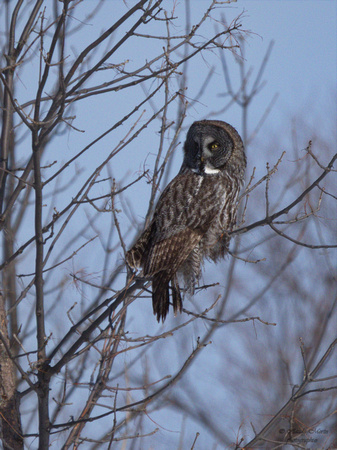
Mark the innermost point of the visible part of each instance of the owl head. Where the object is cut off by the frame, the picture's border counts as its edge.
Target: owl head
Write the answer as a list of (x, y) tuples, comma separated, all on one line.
[(213, 146)]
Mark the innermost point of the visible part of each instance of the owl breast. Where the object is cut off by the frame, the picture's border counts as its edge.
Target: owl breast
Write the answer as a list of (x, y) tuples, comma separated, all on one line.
[(214, 243), (219, 194)]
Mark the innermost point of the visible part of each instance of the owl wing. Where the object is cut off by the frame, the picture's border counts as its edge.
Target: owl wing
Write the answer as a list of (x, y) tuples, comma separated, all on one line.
[(135, 255), (168, 254), (162, 262), (183, 214)]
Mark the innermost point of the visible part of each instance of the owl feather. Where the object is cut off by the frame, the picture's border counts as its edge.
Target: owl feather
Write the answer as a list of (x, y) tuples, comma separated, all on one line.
[(193, 215)]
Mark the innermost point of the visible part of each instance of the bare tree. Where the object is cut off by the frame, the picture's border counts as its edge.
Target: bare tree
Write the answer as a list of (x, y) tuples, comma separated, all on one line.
[(281, 382), (80, 361)]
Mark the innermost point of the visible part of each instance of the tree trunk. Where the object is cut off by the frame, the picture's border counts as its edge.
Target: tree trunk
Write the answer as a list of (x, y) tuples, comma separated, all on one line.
[(11, 433)]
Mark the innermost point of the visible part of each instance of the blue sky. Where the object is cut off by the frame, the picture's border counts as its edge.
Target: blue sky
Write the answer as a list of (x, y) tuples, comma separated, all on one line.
[(303, 63), (301, 70)]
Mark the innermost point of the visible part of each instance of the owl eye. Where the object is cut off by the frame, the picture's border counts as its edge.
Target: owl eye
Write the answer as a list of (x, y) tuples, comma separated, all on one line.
[(213, 145)]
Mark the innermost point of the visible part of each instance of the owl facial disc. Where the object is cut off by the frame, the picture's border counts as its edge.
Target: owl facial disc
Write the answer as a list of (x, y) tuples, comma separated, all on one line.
[(206, 154)]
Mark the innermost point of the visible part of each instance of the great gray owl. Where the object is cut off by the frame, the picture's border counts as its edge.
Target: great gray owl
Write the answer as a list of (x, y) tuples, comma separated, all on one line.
[(193, 214)]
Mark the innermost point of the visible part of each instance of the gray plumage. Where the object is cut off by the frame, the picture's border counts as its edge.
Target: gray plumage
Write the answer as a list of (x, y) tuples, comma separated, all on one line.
[(194, 213)]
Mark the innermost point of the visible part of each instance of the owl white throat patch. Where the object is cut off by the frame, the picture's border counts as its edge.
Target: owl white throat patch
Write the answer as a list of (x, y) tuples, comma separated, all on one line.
[(210, 170)]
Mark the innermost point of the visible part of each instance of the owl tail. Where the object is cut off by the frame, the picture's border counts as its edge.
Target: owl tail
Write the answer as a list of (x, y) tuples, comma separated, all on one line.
[(161, 296)]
